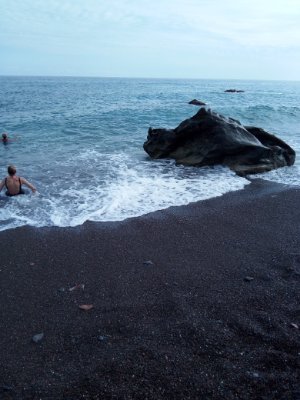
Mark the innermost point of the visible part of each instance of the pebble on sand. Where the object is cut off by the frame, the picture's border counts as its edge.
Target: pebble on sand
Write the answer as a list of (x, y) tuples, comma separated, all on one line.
[(38, 337)]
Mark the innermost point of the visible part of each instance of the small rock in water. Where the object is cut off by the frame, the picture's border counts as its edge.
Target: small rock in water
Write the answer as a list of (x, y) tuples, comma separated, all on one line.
[(38, 337), (233, 91), (248, 278), (196, 102)]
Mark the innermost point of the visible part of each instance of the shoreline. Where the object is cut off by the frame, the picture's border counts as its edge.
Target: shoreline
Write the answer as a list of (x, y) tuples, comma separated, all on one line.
[(255, 187), (196, 301)]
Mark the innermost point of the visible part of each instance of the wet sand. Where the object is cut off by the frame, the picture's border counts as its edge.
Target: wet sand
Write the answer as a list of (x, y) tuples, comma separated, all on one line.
[(193, 302)]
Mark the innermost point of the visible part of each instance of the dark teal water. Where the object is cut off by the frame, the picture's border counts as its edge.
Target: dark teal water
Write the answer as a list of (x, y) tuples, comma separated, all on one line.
[(79, 140)]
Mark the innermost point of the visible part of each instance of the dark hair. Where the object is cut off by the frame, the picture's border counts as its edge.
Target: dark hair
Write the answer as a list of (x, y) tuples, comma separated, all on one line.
[(4, 135), (11, 169)]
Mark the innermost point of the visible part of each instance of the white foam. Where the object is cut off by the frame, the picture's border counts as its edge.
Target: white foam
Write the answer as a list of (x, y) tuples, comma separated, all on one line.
[(124, 189), (112, 187), (286, 175)]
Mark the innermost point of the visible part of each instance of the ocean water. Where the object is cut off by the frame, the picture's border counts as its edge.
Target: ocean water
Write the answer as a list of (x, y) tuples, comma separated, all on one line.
[(80, 142)]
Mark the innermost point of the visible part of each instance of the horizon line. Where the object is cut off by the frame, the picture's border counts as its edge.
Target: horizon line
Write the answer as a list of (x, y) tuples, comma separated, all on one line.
[(143, 77)]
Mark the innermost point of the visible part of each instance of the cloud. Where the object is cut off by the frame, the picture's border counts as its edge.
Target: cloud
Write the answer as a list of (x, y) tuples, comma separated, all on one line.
[(149, 29), (251, 23)]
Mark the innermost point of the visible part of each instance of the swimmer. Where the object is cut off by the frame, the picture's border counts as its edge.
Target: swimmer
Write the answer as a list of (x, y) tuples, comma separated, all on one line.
[(13, 183), (5, 139)]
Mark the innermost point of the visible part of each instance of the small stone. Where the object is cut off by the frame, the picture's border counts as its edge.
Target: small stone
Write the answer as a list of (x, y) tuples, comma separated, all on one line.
[(86, 307), (78, 286), (248, 278), (102, 338), (38, 337), (296, 326), (255, 375), (148, 262), (62, 289)]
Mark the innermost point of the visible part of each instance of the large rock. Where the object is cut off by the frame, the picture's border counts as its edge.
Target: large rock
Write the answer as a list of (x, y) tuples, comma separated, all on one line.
[(209, 139)]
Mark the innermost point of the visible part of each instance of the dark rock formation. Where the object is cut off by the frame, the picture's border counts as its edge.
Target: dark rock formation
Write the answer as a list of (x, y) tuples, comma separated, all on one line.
[(196, 102), (234, 91), (209, 139)]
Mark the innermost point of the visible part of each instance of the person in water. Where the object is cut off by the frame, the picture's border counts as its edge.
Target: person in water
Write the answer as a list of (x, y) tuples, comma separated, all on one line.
[(4, 138), (13, 183)]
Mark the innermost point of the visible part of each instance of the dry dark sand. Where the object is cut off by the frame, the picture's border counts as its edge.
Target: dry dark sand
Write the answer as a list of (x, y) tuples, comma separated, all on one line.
[(186, 325)]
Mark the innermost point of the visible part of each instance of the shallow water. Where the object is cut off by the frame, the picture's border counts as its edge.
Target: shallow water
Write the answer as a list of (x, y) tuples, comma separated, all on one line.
[(79, 140)]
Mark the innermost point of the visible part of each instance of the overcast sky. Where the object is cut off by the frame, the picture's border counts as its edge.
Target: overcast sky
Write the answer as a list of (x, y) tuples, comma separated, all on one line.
[(226, 39)]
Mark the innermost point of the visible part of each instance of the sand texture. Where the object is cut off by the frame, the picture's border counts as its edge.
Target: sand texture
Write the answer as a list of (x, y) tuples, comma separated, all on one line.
[(193, 302)]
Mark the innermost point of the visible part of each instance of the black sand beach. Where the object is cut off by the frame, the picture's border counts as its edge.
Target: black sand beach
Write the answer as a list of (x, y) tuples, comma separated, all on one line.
[(193, 302)]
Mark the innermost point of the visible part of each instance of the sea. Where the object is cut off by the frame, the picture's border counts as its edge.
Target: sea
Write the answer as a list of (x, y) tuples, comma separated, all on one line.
[(80, 142)]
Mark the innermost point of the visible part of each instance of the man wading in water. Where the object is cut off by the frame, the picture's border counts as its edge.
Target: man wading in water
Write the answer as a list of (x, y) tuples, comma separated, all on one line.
[(13, 183)]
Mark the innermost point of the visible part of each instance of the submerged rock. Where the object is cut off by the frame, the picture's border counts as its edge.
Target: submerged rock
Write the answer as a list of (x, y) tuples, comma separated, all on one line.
[(210, 139)]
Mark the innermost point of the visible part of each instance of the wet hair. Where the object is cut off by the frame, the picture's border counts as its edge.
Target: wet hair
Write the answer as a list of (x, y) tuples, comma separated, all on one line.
[(4, 135), (11, 169)]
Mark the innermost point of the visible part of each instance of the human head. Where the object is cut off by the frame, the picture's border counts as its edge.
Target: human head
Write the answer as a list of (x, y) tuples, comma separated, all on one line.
[(11, 169), (4, 136)]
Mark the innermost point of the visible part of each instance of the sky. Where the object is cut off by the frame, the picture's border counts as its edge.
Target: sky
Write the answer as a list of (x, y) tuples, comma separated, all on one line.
[(198, 39)]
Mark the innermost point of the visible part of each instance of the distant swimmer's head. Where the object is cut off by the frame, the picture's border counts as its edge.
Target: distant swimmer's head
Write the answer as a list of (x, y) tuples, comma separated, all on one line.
[(4, 136), (11, 169)]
